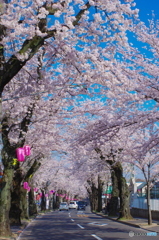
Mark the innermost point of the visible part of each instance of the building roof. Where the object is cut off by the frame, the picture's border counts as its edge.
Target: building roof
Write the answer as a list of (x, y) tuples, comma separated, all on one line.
[(141, 185)]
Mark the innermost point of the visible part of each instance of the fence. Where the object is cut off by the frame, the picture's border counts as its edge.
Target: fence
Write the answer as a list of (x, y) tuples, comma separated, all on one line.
[(141, 203)]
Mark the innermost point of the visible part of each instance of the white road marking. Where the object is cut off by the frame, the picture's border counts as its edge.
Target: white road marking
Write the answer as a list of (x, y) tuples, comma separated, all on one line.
[(80, 212), (80, 226), (72, 220), (99, 224), (93, 235)]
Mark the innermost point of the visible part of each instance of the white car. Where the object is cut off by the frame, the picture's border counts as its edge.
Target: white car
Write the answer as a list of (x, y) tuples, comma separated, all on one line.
[(73, 204), (63, 206)]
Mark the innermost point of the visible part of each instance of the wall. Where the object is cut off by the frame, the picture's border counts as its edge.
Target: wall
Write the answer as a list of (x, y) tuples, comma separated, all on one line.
[(143, 213)]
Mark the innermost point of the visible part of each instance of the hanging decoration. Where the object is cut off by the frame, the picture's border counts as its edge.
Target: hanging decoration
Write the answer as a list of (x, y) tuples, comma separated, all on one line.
[(52, 191), (27, 150), (25, 185), (20, 154), (15, 161)]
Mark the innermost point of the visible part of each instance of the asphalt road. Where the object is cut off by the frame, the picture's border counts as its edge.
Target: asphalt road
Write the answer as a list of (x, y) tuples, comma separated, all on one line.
[(79, 225)]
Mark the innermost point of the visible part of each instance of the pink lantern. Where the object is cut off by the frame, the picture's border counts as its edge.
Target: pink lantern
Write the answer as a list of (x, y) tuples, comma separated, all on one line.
[(20, 154), (28, 189), (27, 150), (46, 195), (25, 185)]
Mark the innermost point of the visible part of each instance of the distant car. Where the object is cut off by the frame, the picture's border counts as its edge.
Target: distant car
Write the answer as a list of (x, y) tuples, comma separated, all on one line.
[(81, 205), (73, 204), (63, 206)]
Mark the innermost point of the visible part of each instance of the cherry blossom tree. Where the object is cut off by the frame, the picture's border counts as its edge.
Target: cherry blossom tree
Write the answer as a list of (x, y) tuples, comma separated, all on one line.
[(142, 151), (92, 173), (25, 31)]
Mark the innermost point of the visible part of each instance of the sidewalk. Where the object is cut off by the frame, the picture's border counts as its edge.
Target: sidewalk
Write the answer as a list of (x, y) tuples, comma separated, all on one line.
[(136, 222), (16, 230)]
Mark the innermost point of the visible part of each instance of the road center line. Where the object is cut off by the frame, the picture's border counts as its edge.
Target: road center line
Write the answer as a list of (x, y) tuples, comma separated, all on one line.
[(93, 235), (72, 220), (80, 226)]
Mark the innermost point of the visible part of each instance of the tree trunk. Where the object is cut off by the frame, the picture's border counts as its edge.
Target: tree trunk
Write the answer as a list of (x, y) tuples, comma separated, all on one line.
[(124, 193), (93, 196), (24, 194), (100, 191), (7, 153), (113, 205), (124, 200), (43, 201), (15, 210), (148, 204), (24, 203), (32, 204), (5, 200), (120, 188)]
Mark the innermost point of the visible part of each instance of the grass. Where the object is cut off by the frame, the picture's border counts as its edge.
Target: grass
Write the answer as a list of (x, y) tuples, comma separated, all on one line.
[(125, 219)]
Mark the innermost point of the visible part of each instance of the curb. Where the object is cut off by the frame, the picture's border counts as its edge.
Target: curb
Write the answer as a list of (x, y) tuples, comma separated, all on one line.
[(130, 224), (24, 225), (16, 234)]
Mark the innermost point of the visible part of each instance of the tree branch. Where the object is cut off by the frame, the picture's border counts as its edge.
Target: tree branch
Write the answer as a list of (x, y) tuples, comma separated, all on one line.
[(14, 65)]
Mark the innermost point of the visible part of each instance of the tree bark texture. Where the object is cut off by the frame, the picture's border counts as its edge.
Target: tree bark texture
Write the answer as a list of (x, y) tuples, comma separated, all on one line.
[(94, 198), (120, 188), (19, 204), (25, 206), (93, 195), (113, 205), (15, 210), (43, 201), (8, 153), (24, 203), (100, 191), (124, 200), (5, 199), (148, 204), (32, 204)]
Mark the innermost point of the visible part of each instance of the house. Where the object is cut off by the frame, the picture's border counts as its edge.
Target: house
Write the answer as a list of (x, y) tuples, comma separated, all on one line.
[(141, 189)]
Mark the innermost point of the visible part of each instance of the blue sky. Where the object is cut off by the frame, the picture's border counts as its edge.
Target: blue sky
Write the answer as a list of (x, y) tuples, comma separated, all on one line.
[(146, 7)]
